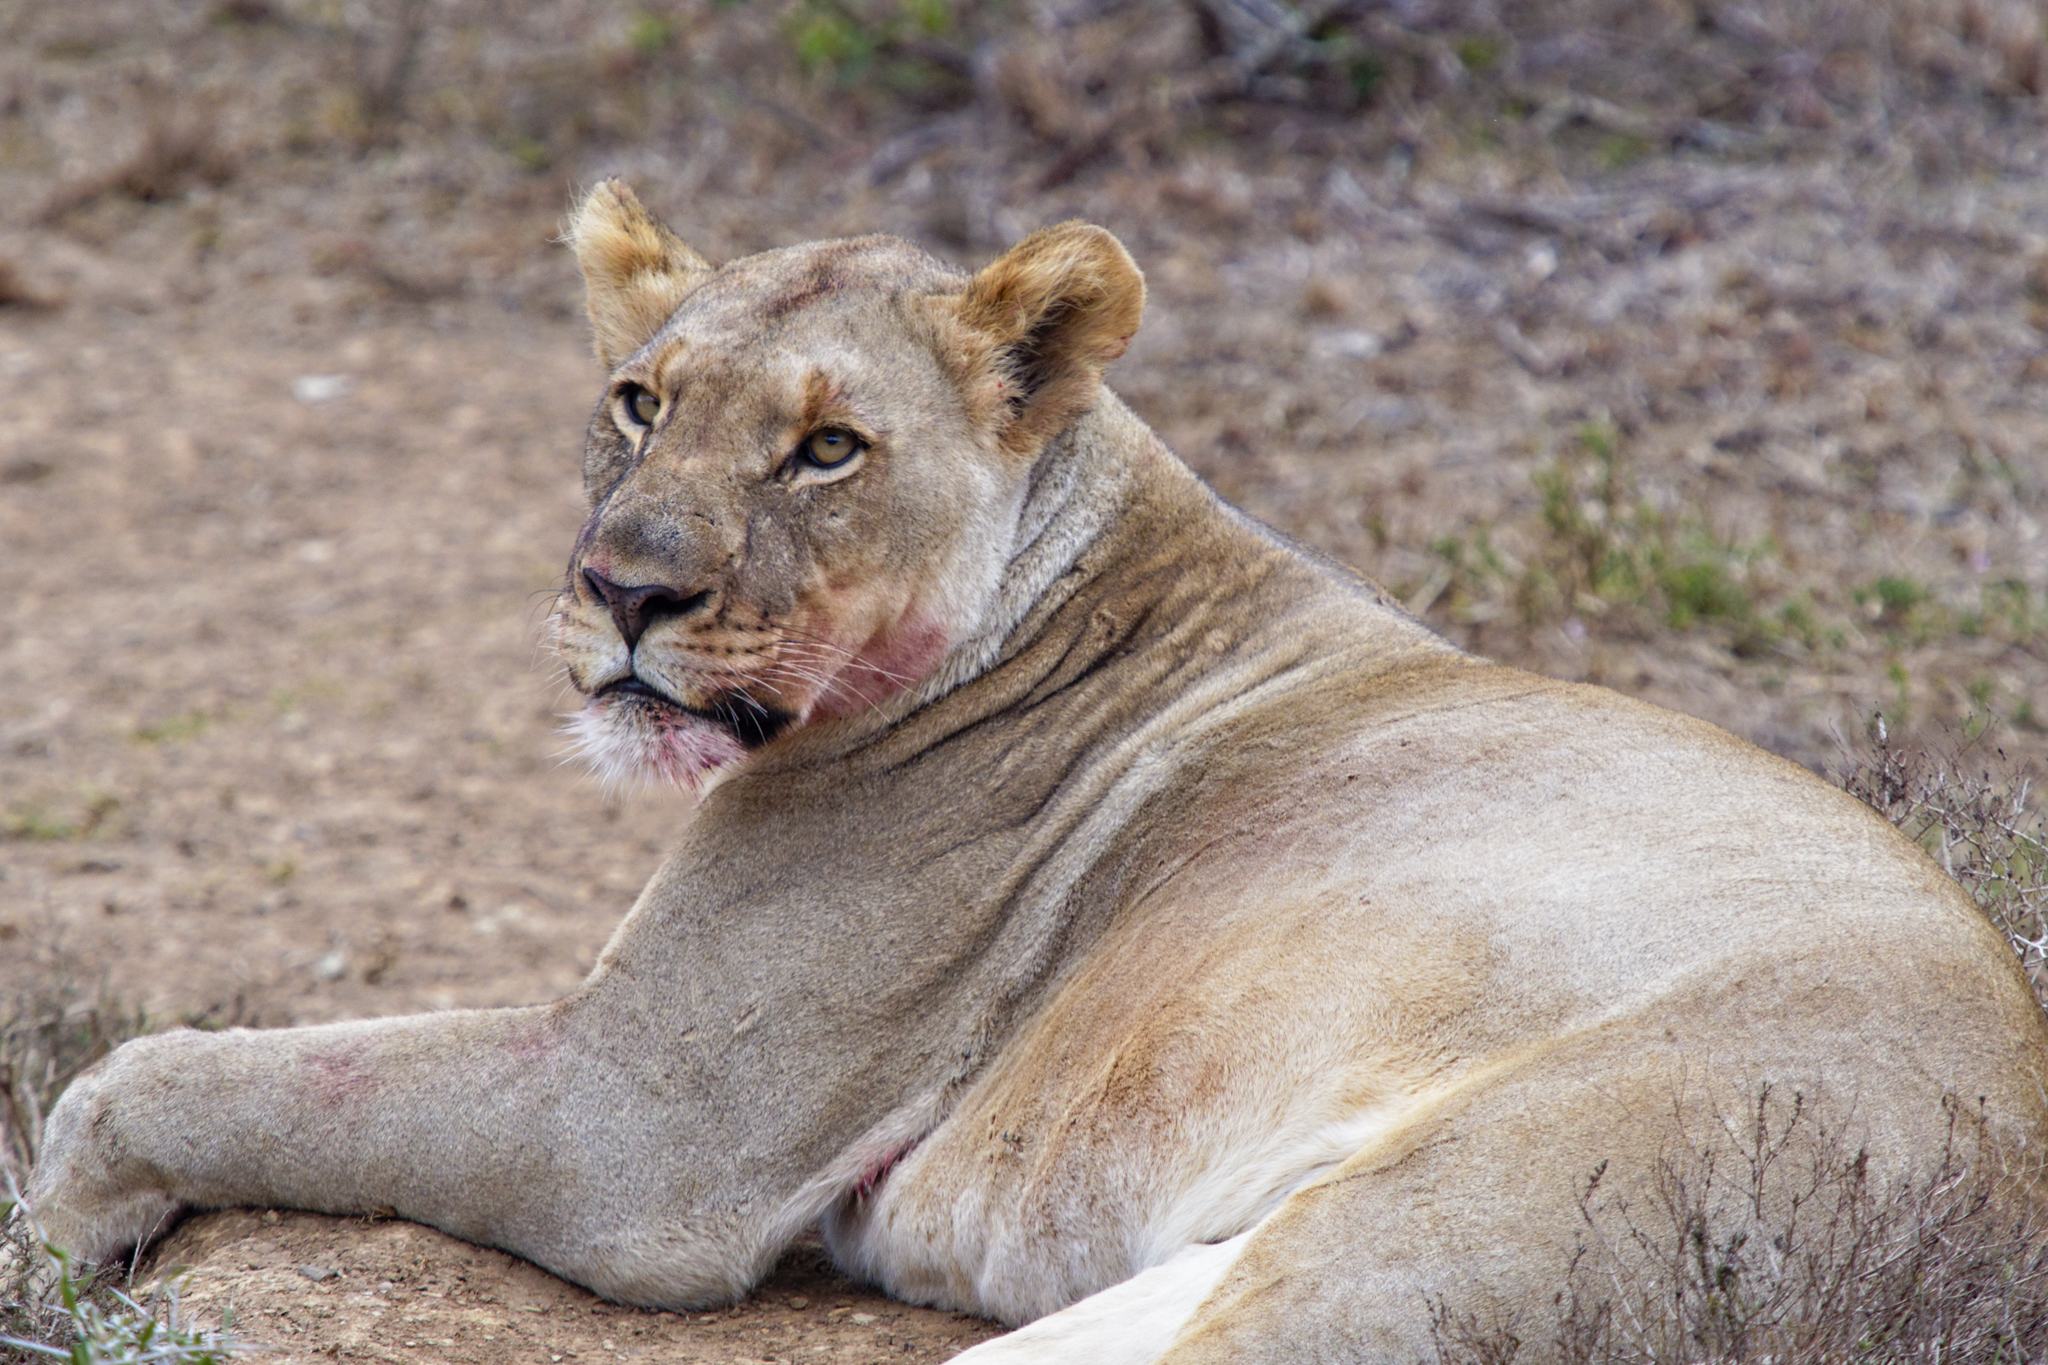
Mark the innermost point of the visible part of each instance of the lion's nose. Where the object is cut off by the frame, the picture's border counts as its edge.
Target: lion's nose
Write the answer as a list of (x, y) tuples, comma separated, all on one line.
[(634, 609)]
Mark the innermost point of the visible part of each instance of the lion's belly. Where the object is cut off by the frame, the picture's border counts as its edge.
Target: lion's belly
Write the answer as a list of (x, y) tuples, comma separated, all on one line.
[(1013, 1211)]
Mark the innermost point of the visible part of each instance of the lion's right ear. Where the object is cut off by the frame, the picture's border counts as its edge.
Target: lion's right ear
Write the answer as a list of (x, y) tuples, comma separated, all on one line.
[(635, 271)]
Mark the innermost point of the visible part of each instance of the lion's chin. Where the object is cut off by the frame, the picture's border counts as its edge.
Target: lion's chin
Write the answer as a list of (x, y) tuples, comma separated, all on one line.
[(627, 741)]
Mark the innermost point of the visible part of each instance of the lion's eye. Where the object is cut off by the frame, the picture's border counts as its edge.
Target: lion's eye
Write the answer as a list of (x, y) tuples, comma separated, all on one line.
[(642, 406), (831, 448)]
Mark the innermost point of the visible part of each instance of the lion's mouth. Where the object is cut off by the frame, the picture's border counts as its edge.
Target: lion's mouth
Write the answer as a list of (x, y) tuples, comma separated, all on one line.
[(749, 722)]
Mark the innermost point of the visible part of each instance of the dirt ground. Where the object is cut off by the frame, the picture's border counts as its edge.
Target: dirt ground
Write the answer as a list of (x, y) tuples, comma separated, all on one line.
[(311, 1289), (291, 401)]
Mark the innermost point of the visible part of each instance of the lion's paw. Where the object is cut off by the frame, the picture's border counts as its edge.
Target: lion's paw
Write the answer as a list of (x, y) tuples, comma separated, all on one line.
[(86, 1199)]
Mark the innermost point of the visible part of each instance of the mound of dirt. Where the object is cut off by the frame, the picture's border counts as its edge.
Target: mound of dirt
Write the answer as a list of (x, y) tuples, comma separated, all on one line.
[(308, 1289)]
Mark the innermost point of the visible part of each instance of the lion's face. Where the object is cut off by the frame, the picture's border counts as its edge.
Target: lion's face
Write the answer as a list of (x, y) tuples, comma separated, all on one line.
[(791, 512), (804, 483)]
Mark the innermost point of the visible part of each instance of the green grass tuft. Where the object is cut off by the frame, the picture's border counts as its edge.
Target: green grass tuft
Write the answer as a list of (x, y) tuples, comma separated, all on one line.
[(88, 1322)]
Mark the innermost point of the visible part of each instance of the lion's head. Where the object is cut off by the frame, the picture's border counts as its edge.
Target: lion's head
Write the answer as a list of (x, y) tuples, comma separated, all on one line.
[(806, 475)]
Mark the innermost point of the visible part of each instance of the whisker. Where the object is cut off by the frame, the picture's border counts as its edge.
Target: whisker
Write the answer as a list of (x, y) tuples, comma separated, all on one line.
[(835, 685), (878, 671), (791, 633), (801, 643), (803, 671)]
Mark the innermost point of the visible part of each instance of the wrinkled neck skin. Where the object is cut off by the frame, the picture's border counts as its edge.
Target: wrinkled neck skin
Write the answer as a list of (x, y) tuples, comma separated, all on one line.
[(1073, 493), (862, 916)]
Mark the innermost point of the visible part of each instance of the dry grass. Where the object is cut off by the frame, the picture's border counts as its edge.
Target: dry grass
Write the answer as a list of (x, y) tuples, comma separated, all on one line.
[(1964, 806), (180, 147), (51, 1028), (1573, 83), (1779, 1245)]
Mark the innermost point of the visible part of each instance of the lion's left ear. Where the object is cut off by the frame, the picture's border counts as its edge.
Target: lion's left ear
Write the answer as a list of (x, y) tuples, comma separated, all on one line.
[(1057, 307), (635, 271)]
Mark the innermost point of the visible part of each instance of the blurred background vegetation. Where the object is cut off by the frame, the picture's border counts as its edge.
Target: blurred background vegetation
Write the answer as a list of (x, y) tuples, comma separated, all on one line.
[(416, 153)]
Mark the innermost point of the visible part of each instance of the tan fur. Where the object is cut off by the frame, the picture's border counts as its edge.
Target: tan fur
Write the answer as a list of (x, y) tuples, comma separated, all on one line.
[(1058, 307), (1094, 894), (635, 271)]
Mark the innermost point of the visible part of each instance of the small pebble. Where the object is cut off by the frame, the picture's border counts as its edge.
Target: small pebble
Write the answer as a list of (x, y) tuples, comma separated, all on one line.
[(320, 388), (799, 1301), (862, 1319), (317, 1273)]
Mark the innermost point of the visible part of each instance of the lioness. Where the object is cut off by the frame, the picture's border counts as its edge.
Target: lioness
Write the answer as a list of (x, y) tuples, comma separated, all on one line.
[(1100, 911)]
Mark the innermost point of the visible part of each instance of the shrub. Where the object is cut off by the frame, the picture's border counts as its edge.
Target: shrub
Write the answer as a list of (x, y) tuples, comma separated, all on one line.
[(1973, 820)]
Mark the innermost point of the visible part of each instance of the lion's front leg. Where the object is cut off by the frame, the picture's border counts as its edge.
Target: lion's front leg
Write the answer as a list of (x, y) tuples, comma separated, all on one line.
[(504, 1127)]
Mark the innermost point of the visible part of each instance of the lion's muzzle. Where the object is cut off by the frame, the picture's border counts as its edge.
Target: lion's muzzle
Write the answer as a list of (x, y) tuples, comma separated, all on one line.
[(635, 608)]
